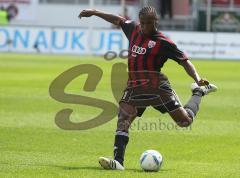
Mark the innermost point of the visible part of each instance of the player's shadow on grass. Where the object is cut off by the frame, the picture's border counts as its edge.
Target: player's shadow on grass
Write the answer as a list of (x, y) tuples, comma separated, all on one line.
[(78, 167), (98, 168), (58, 166)]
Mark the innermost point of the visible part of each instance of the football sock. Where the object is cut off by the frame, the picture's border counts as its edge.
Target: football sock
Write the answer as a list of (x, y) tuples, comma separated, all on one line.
[(192, 105), (121, 141)]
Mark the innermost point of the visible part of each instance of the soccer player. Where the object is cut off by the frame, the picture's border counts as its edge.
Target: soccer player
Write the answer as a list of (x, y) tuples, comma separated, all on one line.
[(147, 86)]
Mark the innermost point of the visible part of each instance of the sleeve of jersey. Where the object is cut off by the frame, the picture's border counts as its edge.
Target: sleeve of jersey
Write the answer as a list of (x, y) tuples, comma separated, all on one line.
[(127, 27), (172, 52)]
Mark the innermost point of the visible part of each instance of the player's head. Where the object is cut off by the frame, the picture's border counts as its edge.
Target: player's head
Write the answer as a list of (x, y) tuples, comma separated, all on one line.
[(148, 20)]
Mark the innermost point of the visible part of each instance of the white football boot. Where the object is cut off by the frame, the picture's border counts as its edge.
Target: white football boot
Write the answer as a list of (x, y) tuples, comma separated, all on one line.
[(108, 163), (205, 89)]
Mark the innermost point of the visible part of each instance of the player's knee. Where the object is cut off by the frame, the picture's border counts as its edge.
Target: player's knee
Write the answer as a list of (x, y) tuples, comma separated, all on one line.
[(127, 110), (184, 122)]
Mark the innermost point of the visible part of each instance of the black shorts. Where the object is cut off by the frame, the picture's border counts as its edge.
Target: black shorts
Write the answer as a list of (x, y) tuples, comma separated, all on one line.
[(162, 98)]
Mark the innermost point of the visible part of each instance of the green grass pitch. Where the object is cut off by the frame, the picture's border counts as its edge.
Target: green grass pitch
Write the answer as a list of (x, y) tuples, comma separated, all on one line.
[(31, 145)]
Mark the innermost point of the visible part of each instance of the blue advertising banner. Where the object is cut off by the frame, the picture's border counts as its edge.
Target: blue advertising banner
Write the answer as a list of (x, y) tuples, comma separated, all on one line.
[(73, 41)]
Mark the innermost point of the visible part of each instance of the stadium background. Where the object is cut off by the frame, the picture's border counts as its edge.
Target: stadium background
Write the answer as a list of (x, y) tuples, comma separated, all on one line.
[(46, 38)]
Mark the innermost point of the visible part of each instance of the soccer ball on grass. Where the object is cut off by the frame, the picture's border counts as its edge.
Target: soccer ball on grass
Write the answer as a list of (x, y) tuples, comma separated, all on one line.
[(151, 160)]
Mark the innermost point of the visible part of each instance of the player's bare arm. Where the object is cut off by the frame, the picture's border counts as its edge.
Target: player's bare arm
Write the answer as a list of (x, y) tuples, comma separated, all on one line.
[(192, 72), (114, 19)]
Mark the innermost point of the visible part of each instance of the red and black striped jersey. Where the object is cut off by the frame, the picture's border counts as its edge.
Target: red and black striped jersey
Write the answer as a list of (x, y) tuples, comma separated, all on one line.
[(148, 53)]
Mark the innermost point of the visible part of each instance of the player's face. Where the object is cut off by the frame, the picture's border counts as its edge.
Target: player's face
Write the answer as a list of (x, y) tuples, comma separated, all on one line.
[(148, 24)]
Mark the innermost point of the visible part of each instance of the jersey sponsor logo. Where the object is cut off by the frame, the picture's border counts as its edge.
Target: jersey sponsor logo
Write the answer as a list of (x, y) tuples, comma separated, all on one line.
[(138, 49), (151, 44)]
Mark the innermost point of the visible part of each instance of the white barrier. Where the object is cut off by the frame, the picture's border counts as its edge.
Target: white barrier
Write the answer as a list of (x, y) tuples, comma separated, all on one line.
[(208, 45), (82, 41)]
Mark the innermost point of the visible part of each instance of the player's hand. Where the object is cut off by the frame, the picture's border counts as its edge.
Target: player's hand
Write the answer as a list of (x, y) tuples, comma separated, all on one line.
[(203, 82), (87, 13)]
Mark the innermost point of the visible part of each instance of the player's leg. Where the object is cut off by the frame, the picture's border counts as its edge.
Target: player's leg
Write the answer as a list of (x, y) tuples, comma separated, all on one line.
[(184, 116), (127, 114)]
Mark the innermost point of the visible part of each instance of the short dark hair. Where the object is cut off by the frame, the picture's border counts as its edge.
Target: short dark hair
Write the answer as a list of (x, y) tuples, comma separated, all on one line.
[(148, 10)]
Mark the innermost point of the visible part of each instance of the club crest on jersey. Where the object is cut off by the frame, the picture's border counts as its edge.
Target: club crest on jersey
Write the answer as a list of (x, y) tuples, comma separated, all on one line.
[(151, 44)]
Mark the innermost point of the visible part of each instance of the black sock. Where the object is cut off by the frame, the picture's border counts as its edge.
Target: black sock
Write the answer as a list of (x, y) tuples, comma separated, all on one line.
[(121, 141)]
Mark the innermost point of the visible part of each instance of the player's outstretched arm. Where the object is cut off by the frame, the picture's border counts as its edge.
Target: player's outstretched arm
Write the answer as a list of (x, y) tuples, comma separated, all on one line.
[(191, 70), (114, 19)]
